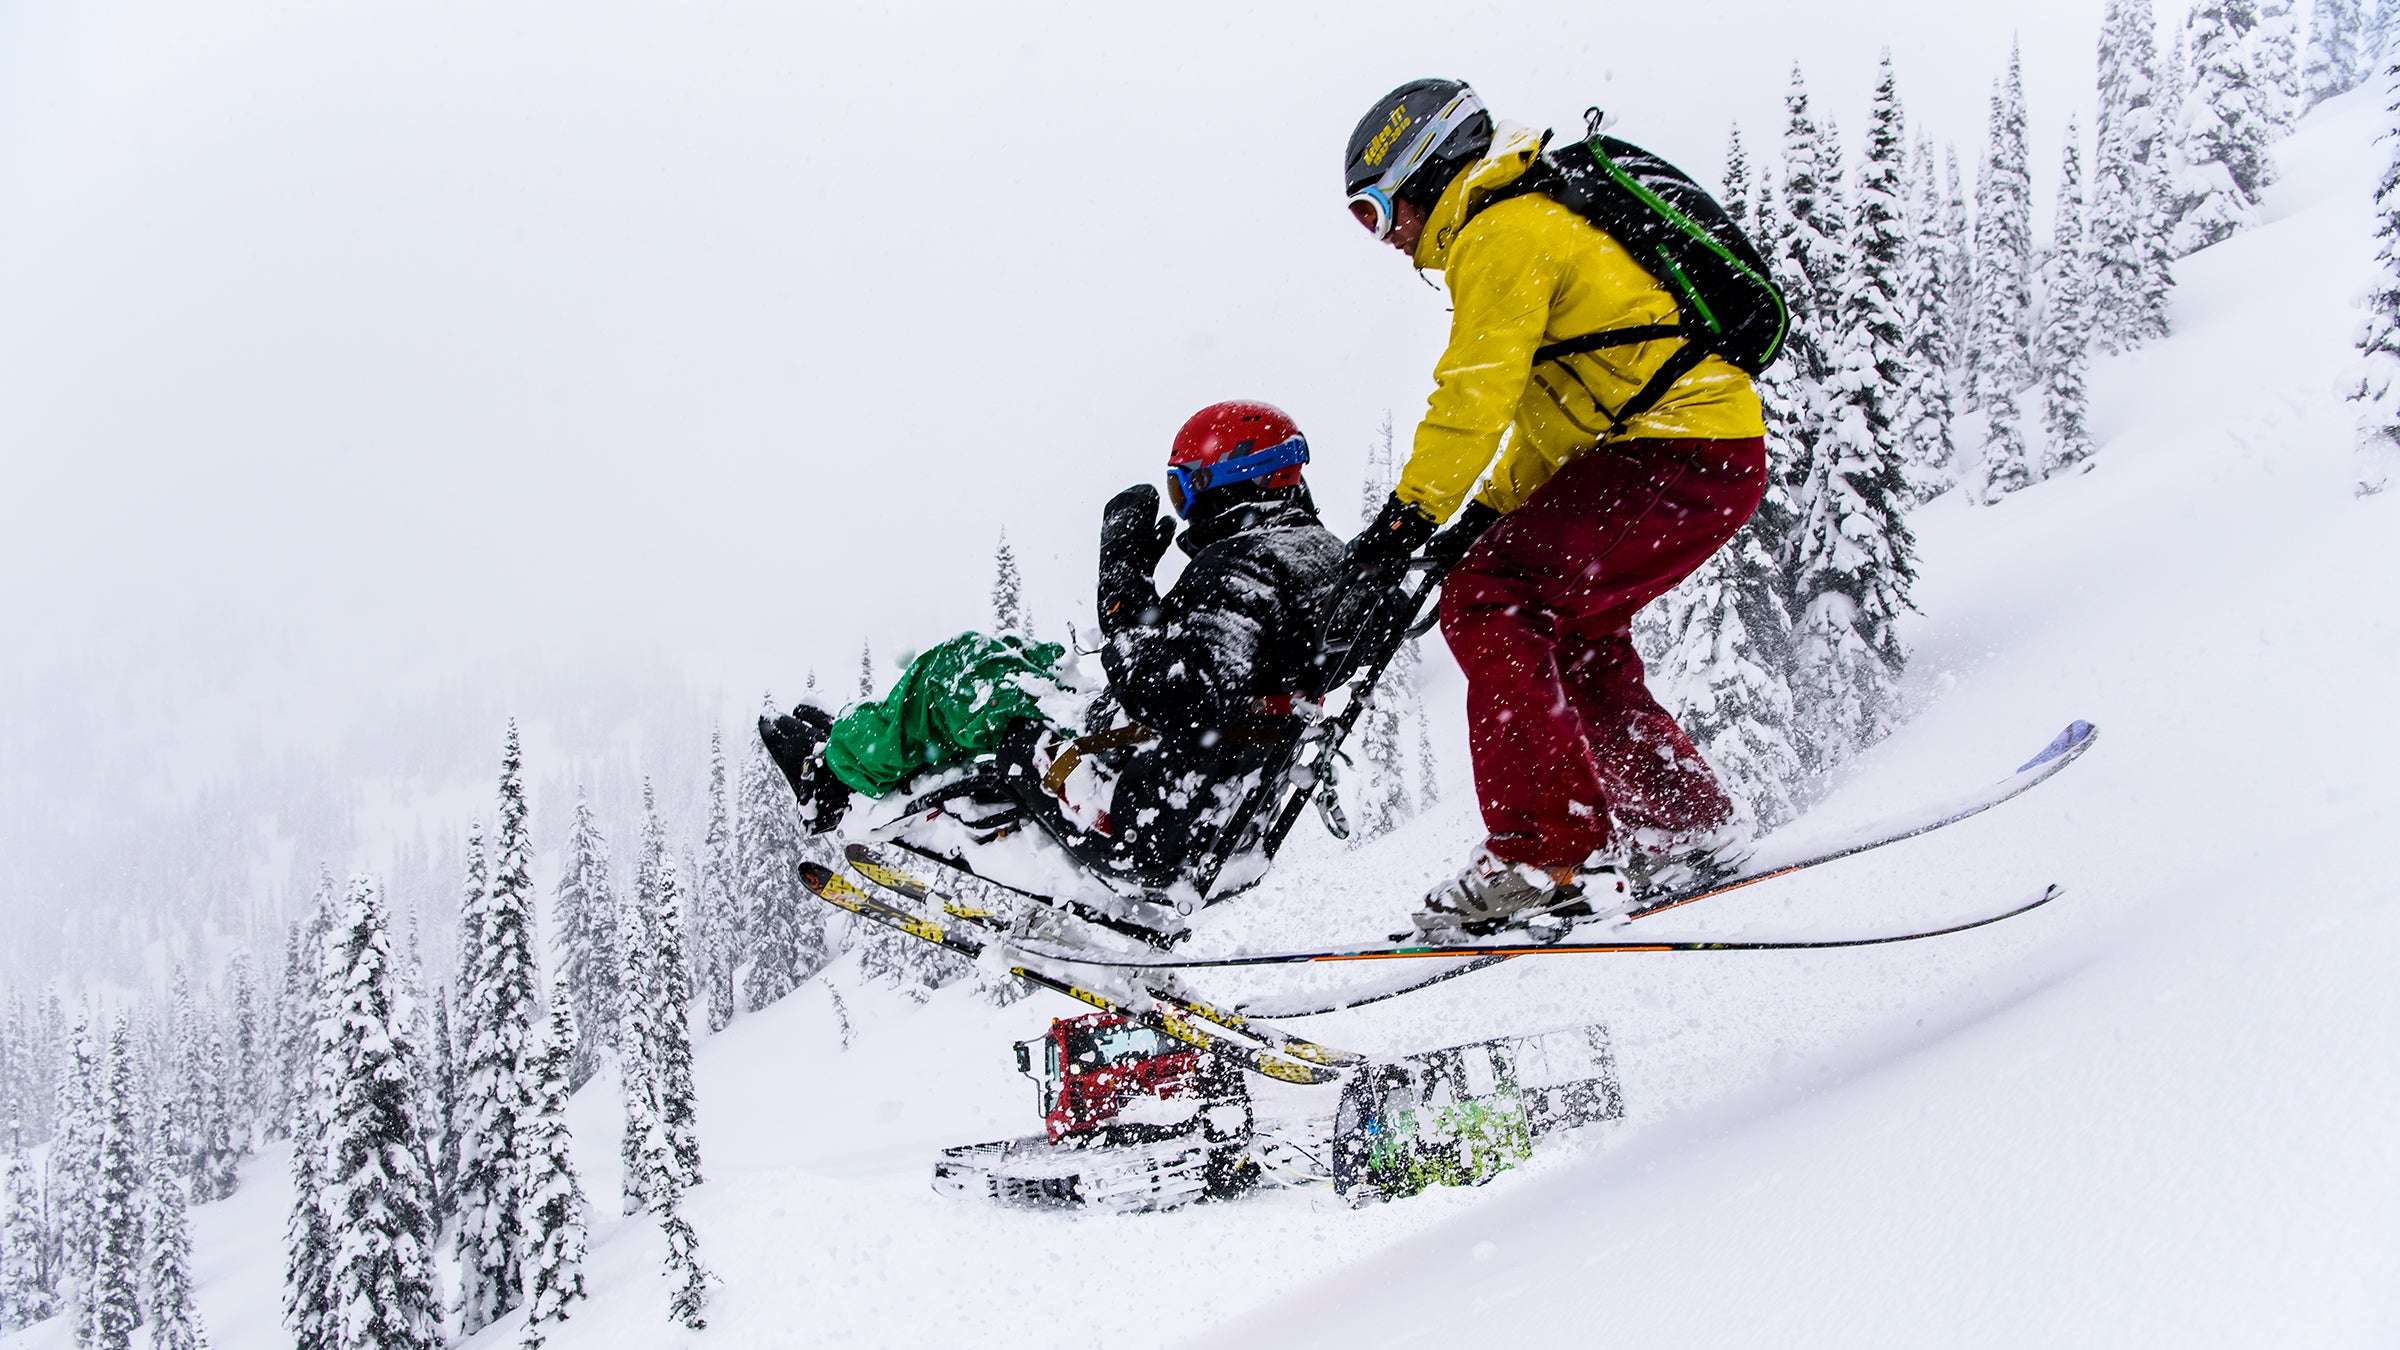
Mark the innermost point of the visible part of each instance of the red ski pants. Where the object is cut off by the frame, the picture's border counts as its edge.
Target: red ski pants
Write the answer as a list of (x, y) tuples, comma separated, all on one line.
[(1540, 614)]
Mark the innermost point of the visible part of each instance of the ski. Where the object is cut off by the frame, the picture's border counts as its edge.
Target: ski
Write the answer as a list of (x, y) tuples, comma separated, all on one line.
[(1161, 934), (1495, 952), (836, 890), (1163, 989), (2064, 749)]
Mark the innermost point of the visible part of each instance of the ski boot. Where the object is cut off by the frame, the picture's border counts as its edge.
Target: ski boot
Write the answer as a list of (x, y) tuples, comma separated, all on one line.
[(1661, 865), (1492, 893), (796, 742)]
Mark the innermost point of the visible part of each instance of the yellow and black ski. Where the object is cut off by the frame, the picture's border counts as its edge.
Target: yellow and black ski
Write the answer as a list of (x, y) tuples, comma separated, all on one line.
[(839, 892), (1163, 987)]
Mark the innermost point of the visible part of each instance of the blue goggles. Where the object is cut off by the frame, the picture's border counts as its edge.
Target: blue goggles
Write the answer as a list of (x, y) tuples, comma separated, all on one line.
[(1185, 482)]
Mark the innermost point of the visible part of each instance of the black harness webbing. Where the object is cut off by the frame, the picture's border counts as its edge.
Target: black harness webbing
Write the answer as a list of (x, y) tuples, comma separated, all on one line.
[(1677, 365)]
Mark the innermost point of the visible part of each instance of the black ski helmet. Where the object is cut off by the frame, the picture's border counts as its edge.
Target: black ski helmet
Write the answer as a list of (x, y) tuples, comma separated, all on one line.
[(1392, 128)]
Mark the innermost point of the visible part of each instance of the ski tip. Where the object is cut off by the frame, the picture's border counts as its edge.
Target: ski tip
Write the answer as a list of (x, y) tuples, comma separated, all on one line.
[(814, 875), (861, 853), (2071, 741)]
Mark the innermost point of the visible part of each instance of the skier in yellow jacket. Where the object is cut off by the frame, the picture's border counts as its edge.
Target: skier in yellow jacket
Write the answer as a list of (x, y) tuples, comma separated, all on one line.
[(1624, 467)]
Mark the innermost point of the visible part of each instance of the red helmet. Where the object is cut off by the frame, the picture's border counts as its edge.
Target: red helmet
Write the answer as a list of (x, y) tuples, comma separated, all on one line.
[(1225, 432)]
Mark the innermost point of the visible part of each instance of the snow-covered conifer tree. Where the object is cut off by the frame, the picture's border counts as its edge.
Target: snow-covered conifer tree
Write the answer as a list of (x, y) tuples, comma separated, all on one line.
[(1925, 313), (309, 1239), (556, 1215), (2130, 260), (2007, 462), (2332, 64), (292, 1051), (2174, 81), (114, 1302), (1961, 327), (441, 1108), (27, 1288), (75, 1171), (671, 1033), (1382, 789), (186, 1084), (2376, 387), (718, 925), (2128, 77), (1799, 243), (1877, 359), (381, 1291), (2220, 151), (1850, 556), (2004, 244), (2066, 327), (667, 1186), (1008, 593), (2375, 35), (583, 920), (636, 1049), (496, 1009), (116, 1298), (174, 1322), (1723, 644), (1811, 174), (786, 939), (866, 670), (2127, 258), (1736, 196), (1791, 390), (2275, 55), (249, 1045), (221, 1149)]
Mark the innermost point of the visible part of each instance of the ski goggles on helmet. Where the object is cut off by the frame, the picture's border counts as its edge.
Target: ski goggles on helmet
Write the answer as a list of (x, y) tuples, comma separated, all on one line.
[(1185, 482), (1372, 204)]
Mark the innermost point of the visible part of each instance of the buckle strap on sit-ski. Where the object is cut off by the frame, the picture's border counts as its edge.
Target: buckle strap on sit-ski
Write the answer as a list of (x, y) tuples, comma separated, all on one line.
[(1115, 738)]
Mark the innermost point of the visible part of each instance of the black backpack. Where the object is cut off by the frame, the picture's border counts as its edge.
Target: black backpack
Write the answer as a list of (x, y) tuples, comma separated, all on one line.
[(1726, 305)]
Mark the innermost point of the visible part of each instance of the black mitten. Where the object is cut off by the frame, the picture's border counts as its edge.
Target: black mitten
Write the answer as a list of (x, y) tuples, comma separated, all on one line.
[(1133, 534), (1445, 549)]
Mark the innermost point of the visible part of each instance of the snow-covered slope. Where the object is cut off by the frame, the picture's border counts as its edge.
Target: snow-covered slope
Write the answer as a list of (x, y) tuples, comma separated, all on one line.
[(2154, 1113)]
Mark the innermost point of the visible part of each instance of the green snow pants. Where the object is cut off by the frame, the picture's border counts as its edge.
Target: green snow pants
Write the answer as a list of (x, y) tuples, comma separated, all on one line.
[(954, 701)]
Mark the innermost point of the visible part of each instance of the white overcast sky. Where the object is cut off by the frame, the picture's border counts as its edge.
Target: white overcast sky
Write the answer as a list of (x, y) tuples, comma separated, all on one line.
[(352, 348)]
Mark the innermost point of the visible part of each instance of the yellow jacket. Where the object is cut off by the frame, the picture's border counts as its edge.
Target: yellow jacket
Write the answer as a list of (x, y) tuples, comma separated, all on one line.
[(1524, 273)]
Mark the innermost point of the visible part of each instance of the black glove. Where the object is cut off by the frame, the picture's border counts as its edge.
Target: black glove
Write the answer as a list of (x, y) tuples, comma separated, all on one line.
[(1446, 548), (1133, 537), (1132, 532), (1395, 536), (1368, 606)]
